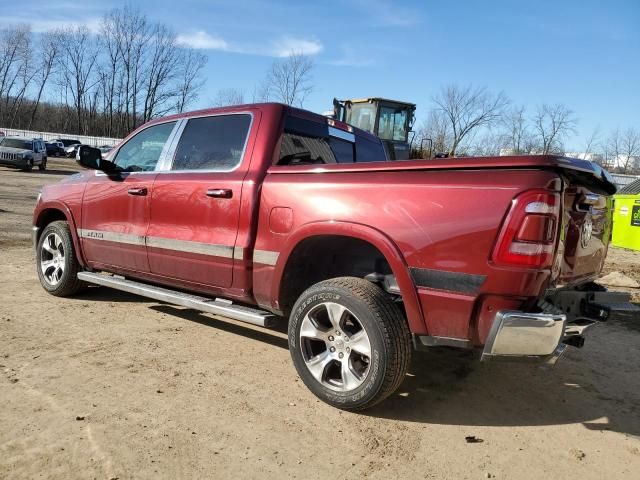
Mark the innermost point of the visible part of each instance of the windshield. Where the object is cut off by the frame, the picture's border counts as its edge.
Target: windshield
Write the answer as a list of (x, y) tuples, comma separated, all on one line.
[(363, 116), (393, 124), (16, 143)]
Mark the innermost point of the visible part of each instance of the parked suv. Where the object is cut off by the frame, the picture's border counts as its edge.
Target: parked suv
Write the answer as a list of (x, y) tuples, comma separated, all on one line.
[(267, 213), (23, 153)]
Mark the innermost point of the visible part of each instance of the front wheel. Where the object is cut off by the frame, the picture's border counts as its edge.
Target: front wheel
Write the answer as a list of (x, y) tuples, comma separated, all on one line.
[(28, 166), (56, 261), (349, 342)]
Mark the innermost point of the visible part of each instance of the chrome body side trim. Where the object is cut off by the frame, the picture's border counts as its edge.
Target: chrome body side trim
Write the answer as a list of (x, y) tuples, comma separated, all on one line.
[(238, 253), (127, 238), (519, 335), (265, 257), (221, 307), (224, 251)]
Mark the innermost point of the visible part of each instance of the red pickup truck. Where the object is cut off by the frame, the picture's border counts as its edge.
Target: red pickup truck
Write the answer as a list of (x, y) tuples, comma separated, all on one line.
[(262, 212)]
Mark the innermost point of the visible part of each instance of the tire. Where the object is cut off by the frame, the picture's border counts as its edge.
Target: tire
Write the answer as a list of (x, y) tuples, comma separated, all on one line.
[(43, 164), (56, 261), (354, 375), (28, 166)]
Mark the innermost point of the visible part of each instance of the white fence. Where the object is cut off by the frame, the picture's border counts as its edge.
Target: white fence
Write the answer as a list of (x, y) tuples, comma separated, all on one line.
[(47, 136), (622, 180)]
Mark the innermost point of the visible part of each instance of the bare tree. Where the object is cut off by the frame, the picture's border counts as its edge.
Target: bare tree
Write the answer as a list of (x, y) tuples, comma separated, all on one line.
[(78, 62), (469, 108), (15, 74), (592, 143), (48, 55), (553, 124), (228, 96), (624, 148), (289, 80), (487, 143), (189, 81), (517, 136), (160, 72), (436, 129)]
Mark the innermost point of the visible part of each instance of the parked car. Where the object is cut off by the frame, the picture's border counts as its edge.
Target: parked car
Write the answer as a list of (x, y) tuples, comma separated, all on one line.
[(23, 153), (70, 146), (72, 150), (67, 142), (261, 212), (55, 149), (104, 149)]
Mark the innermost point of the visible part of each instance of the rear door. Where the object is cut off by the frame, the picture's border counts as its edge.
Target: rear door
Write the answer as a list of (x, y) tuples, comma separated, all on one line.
[(195, 206), (115, 208)]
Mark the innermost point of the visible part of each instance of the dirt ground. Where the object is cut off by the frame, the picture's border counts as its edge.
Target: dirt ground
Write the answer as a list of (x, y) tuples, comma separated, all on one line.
[(108, 385)]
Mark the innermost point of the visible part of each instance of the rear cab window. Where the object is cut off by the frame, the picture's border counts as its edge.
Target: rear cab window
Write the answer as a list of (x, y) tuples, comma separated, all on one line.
[(308, 142)]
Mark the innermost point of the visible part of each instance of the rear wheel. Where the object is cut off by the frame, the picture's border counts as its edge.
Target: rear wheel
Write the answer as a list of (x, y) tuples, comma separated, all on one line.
[(43, 164), (56, 261), (349, 342)]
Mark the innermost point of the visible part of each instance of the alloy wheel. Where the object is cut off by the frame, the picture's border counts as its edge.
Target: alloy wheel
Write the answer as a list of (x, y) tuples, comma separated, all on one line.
[(335, 347), (52, 259)]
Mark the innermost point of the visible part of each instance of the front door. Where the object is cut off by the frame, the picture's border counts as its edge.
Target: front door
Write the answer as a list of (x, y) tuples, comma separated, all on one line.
[(115, 208), (195, 206)]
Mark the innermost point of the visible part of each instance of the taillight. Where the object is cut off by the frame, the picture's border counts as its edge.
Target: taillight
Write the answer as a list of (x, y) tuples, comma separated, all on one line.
[(528, 235)]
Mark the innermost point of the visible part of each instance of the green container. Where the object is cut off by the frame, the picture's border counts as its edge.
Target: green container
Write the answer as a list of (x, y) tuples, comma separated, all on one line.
[(626, 217)]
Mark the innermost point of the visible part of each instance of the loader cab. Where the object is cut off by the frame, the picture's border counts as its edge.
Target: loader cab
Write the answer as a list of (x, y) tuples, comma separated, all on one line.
[(390, 120)]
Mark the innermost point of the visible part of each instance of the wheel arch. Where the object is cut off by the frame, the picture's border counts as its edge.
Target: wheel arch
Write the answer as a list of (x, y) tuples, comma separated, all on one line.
[(55, 211), (329, 232)]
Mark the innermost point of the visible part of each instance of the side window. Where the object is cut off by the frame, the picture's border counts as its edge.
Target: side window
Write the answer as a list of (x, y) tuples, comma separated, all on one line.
[(142, 152), (212, 143), (342, 149), (306, 142), (370, 151)]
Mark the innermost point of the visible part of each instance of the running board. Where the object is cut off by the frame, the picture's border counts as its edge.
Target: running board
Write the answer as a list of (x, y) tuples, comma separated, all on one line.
[(217, 307)]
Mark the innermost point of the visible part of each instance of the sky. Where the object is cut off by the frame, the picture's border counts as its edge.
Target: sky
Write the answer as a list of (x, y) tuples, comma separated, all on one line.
[(583, 53)]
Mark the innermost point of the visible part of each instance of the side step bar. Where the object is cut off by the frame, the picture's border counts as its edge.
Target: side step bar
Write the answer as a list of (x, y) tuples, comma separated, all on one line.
[(217, 307)]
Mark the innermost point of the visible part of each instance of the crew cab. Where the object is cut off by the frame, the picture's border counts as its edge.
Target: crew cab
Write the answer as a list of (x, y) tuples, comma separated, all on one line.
[(23, 153), (266, 213)]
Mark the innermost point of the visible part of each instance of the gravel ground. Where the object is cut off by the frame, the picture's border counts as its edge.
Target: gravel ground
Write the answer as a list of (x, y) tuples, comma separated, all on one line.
[(109, 385)]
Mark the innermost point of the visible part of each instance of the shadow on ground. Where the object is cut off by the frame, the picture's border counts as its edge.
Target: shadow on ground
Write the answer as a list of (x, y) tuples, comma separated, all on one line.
[(448, 386)]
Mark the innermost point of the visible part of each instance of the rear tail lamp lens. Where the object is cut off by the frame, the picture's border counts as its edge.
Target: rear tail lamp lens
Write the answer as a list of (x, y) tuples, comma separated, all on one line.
[(529, 232)]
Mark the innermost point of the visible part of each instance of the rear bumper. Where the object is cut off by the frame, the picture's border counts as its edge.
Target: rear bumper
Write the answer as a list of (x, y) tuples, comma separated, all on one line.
[(521, 336)]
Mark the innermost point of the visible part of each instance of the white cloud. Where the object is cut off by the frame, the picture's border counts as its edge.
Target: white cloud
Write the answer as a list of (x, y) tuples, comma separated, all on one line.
[(287, 45), (202, 40), (281, 47)]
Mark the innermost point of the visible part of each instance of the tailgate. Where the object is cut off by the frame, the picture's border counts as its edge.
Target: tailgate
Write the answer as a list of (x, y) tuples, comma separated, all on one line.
[(586, 230)]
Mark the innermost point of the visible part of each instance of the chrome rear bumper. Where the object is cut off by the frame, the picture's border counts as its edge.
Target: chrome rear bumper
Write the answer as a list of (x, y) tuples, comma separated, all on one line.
[(524, 336)]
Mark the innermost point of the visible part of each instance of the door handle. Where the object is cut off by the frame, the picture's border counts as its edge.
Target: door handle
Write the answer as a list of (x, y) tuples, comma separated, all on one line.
[(220, 193), (140, 191)]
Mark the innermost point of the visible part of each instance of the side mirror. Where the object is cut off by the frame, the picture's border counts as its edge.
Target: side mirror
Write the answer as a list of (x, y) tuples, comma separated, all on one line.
[(90, 157)]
